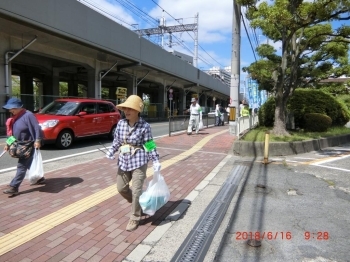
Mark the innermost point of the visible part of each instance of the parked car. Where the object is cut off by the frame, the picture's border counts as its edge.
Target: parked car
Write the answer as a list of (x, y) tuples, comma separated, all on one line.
[(65, 120)]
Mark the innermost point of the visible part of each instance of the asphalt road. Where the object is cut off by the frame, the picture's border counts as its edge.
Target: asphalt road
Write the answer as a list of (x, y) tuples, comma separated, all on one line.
[(83, 146), (298, 208)]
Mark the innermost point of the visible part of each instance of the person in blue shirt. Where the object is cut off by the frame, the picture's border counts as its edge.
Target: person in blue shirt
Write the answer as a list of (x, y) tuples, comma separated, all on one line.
[(134, 142), (24, 127)]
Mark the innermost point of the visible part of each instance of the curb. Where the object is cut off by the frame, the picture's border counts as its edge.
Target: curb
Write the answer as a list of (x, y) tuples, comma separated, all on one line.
[(248, 148)]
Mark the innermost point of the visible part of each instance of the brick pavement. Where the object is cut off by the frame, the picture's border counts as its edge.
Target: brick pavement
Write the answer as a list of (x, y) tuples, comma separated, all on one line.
[(79, 216)]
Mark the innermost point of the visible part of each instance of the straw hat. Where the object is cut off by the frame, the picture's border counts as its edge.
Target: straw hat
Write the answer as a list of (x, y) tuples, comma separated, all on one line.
[(133, 102)]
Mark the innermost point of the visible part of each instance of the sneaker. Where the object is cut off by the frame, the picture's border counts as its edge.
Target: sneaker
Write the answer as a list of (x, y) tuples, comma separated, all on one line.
[(189, 133), (41, 181), (11, 191), (132, 225)]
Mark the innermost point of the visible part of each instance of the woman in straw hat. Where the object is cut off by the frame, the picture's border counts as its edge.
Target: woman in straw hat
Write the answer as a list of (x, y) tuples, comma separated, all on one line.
[(133, 139)]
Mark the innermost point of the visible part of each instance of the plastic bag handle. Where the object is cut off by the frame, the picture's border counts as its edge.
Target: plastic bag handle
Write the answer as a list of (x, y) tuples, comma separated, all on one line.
[(156, 176)]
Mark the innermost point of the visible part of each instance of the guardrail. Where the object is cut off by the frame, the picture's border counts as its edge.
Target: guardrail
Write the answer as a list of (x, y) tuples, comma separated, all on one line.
[(245, 123), (180, 123)]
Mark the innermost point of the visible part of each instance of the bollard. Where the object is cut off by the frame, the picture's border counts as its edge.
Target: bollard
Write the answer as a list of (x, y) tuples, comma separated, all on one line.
[(266, 148)]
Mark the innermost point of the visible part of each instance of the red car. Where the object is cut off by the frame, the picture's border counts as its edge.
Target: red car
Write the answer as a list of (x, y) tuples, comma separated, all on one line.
[(66, 119)]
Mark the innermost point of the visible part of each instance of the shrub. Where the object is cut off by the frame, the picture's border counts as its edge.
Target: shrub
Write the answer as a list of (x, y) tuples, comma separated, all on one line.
[(316, 122), (266, 113), (306, 101)]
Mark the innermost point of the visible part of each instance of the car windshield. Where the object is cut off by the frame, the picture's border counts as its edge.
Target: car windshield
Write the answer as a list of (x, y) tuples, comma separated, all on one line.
[(64, 108)]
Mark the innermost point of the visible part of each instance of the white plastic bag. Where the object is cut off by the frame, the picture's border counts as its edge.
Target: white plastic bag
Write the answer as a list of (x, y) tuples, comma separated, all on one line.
[(201, 126), (156, 195), (36, 170)]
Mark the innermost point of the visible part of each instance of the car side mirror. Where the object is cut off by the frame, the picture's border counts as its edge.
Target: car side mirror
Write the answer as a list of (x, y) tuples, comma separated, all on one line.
[(82, 113)]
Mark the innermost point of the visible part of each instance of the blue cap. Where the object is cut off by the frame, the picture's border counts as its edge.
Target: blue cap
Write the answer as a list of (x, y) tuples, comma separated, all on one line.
[(13, 102)]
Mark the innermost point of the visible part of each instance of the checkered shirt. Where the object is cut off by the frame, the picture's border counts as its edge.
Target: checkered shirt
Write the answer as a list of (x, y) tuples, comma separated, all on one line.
[(138, 137)]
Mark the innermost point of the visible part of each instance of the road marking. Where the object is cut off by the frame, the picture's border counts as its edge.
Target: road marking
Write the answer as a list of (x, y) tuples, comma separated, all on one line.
[(336, 168), (327, 159), (311, 158), (24, 234)]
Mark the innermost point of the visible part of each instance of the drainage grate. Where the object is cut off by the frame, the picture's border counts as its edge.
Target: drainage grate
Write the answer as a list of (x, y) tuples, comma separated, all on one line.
[(196, 244)]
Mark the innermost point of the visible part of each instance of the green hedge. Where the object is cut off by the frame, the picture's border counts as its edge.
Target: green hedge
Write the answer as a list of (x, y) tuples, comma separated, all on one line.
[(305, 101), (316, 122)]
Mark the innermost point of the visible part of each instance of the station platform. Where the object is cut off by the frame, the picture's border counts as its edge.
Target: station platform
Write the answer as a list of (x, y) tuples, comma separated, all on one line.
[(79, 215)]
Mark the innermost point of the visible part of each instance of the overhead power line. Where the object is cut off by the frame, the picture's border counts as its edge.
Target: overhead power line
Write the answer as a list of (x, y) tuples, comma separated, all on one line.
[(248, 37), (138, 12), (177, 20)]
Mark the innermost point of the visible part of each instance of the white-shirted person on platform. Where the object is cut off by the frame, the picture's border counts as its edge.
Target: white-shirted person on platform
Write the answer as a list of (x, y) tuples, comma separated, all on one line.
[(195, 116)]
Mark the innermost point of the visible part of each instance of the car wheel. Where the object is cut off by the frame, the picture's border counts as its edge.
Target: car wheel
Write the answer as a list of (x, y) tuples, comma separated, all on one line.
[(64, 139), (111, 133)]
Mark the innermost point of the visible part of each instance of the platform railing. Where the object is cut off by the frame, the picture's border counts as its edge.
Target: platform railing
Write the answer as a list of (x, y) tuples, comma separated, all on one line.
[(180, 123)]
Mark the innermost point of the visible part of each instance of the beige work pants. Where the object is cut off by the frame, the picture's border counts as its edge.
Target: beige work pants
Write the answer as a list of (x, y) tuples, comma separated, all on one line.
[(137, 177)]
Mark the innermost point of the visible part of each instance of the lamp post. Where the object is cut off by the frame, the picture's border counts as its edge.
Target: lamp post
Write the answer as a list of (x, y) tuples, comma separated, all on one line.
[(170, 99)]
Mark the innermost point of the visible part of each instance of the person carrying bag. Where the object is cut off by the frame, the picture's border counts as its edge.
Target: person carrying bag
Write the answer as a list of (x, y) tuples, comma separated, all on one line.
[(134, 142), (24, 135)]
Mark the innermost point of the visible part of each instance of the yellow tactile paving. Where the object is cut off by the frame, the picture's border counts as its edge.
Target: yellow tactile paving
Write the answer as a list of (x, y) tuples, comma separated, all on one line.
[(24, 234)]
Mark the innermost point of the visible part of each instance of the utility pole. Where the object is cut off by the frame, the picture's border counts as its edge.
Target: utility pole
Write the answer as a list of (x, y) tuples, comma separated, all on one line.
[(235, 65)]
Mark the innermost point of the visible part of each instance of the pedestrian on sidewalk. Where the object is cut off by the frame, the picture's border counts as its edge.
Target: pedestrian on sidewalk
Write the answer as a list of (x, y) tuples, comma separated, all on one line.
[(133, 139), (195, 111), (245, 110), (217, 115), (22, 126), (222, 115)]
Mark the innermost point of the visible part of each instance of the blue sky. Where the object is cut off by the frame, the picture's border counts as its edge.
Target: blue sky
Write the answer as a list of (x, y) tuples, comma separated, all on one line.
[(214, 23)]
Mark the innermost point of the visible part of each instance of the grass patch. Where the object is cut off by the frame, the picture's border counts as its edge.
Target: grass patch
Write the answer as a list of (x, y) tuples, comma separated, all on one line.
[(258, 135)]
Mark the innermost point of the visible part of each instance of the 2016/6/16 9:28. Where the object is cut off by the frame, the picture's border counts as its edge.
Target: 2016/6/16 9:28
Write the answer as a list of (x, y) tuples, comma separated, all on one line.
[(308, 235)]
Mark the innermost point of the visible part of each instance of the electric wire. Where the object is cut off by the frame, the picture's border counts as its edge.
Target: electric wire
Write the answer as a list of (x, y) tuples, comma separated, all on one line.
[(248, 37), (139, 13), (97, 8), (101, 11), (252, 30), (187, 32)]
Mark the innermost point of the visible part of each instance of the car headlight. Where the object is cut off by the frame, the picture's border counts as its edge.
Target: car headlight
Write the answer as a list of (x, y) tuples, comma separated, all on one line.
[(49, 123)]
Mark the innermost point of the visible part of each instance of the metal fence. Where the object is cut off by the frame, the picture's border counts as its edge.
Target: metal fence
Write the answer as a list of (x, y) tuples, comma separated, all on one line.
[(180, 123), (3, 118)]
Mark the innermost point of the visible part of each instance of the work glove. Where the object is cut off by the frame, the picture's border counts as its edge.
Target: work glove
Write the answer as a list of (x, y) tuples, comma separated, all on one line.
[(156, 166), (110, 154)]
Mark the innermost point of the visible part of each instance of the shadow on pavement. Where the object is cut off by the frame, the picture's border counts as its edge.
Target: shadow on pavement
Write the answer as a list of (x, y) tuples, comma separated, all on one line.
[(162, 213), (55, 185)]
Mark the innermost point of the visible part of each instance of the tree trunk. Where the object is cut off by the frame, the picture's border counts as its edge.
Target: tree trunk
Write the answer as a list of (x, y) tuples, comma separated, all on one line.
[(279, 127)]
